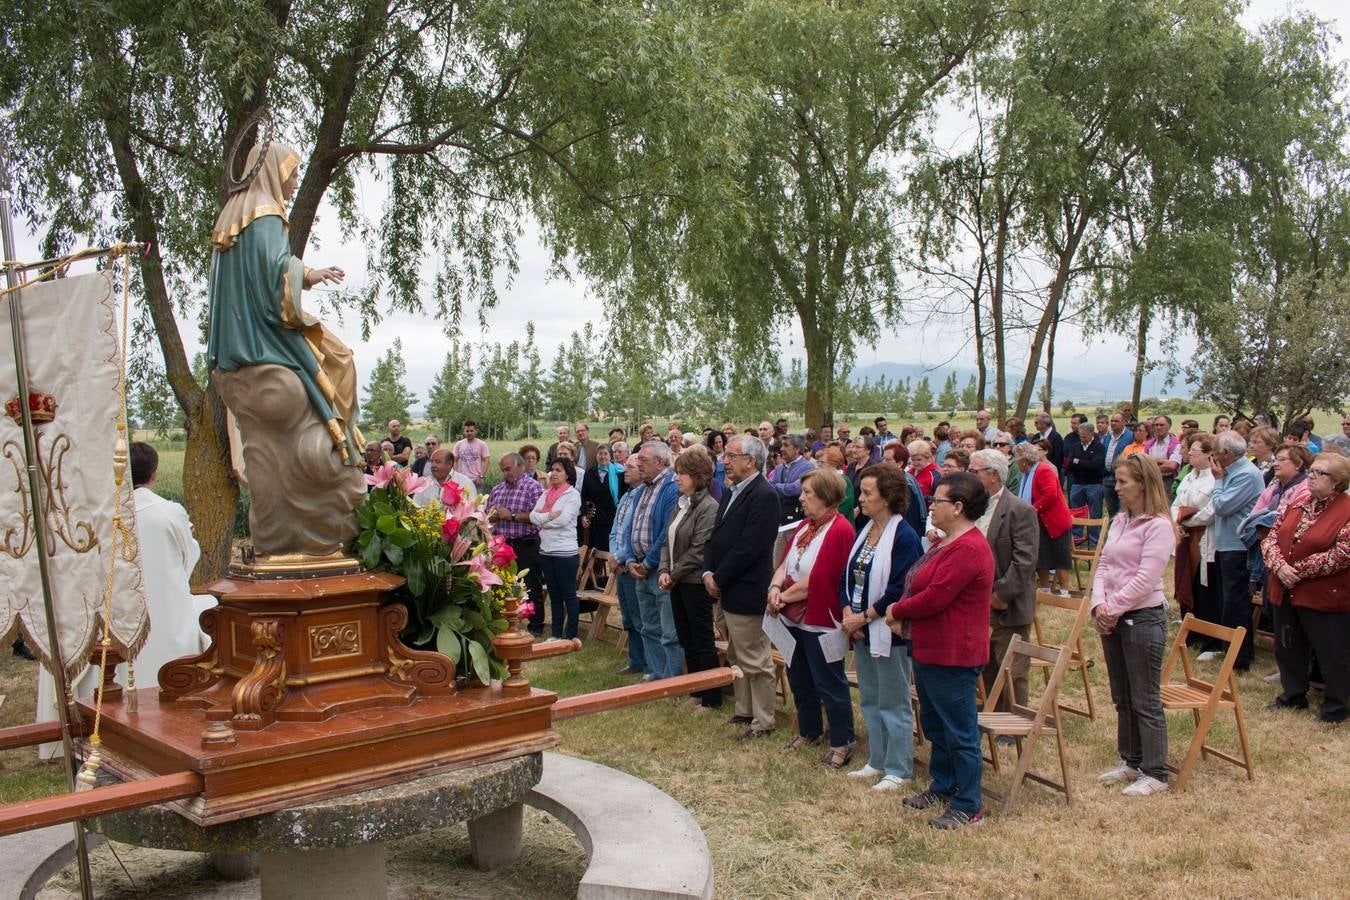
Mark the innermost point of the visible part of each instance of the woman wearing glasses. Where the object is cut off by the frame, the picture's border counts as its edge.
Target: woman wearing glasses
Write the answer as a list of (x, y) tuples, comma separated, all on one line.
[(1307, 556)]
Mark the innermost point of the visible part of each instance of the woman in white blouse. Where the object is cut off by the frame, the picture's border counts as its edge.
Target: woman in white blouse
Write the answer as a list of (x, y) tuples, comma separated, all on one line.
[(1195, 581), (559, 555)]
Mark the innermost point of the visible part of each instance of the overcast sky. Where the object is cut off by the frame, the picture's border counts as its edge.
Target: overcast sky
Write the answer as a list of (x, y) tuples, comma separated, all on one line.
[(558, 307)]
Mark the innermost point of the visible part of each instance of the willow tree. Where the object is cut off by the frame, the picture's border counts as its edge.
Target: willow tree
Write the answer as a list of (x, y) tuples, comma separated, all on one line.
[(473, 114), (841, 91)]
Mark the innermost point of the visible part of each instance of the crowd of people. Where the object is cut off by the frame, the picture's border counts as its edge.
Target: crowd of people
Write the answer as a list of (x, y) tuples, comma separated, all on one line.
[(923, 554)]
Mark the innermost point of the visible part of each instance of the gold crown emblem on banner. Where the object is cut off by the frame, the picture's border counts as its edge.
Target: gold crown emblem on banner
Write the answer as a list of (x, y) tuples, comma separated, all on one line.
[(42, 407)]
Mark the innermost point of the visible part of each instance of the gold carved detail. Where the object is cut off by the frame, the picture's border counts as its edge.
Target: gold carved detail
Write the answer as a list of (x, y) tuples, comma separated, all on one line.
[(430, 673), (193, 673), (257, 694), (334, 641)]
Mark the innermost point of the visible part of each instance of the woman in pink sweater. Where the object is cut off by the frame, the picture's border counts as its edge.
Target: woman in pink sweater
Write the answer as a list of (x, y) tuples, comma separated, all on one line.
[(1130, 612)]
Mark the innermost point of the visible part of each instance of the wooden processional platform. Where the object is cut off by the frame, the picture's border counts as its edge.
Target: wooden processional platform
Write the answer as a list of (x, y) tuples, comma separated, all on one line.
[(307, 693)]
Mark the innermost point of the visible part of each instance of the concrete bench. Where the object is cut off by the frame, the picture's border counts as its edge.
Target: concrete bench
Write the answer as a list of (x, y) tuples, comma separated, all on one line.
[(29, 858), (640, 842)]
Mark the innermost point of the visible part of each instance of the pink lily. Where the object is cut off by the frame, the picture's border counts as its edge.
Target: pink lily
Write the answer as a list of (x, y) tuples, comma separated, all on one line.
[(414, 483), (486, 577), (383, 476)]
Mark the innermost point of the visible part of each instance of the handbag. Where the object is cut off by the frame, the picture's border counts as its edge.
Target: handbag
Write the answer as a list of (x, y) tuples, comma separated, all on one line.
[(793, 612)]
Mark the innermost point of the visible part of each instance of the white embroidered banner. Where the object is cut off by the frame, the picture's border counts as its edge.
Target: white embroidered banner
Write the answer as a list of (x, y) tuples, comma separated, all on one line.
[(71, 349)]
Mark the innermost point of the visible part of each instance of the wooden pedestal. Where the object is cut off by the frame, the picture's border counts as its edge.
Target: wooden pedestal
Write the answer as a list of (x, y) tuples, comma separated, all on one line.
[(306, 693)]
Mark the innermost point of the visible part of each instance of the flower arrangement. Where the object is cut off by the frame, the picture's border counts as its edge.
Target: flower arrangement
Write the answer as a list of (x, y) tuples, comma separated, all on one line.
[(458, 576)]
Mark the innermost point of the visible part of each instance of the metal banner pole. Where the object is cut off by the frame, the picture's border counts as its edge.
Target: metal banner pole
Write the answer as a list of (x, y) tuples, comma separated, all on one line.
[(39, 533)]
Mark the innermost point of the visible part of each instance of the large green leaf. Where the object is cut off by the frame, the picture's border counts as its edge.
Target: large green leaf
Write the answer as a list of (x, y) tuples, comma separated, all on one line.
[(402, 537), (370, 554), (393, 553), (450, 644), (416, 577), (387, 524), (478, 656)]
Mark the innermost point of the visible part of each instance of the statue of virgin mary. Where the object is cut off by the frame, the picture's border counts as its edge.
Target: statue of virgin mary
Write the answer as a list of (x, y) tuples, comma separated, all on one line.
[(289, 384)]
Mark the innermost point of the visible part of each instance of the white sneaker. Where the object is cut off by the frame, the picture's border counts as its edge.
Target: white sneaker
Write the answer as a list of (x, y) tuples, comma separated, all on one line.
[(1207, 656), (1272, 678), (865, 772), (1145, 786), (890, 783), (1122, 772)]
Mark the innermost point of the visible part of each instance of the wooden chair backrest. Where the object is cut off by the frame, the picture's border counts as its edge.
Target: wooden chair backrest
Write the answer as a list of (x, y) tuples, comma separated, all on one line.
[(1191, 625), (1079, 606)]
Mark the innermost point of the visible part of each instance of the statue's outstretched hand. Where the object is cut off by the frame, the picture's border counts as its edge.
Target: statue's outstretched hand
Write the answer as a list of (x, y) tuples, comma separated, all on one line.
[(329, 275)]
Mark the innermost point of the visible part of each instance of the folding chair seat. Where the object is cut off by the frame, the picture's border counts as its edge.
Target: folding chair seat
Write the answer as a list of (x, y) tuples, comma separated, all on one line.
[(1082, 554), (1203, 698), (1027, 724), (1077, 659)]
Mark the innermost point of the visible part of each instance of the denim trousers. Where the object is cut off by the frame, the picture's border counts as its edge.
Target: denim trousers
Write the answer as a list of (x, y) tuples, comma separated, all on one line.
[(1134, 653), (888, 714), (1089, 495), (560, 575), (660, 640), (950, 721), (817, 683), (631, 616), (693, 609), (1235, 603)]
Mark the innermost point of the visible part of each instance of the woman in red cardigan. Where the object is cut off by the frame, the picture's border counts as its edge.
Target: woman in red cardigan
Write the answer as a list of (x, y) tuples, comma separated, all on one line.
[(804, 592), (944, 612), (1040, 488)]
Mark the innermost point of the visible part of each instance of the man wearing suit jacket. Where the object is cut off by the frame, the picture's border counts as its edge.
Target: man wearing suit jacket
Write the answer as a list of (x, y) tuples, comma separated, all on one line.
[(1011, 528), (739, 564), (564, 437), (585, 447), (1045, 431)]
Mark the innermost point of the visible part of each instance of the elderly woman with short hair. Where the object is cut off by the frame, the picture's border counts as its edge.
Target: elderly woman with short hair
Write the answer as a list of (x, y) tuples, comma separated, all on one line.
[(681, 568), (874, 578), (1262, 444), (945, 613), (1307, 556), (1040, 487), (804, 593)]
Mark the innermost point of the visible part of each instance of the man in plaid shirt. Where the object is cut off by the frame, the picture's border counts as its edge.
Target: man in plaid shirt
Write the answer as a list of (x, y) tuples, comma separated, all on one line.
[(509, 506)]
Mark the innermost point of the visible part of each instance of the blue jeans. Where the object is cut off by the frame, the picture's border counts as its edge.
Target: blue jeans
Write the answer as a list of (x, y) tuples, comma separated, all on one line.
[(660, 640), (883, 694), (815, 682), (628, 611), (1089, 495), (560, 576), (950, 722)]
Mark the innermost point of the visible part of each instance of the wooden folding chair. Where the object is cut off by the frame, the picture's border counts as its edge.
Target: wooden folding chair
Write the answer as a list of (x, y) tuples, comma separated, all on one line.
[(605, 599), (1028, 724), (780, 681), (1077, 660), (1260, 638), (1204, 699), (1085, 555)]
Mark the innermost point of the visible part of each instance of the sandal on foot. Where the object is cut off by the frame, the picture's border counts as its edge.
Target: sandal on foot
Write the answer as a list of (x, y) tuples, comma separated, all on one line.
[(797, 743), (837, 758)]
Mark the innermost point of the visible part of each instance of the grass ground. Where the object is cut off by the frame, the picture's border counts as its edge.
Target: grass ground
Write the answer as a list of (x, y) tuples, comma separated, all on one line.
[(781, 826)]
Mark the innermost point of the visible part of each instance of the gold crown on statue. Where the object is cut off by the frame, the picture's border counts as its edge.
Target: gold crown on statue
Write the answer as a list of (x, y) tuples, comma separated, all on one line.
[(42, 407)]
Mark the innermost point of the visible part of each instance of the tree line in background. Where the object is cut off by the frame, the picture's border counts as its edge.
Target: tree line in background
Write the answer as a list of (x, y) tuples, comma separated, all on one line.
[(720, 169)]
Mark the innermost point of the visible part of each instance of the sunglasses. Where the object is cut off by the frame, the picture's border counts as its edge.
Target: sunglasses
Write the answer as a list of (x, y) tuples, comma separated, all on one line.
[(1001, 444)]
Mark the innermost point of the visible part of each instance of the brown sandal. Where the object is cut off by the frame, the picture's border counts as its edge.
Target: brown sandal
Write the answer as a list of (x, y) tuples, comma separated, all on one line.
[(837, 758), (797, 743)]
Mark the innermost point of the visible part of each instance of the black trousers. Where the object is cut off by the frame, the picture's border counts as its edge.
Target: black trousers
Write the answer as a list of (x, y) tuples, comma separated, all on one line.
[(693, 611), (1207, 604), (527, 557), (1299, 633), (1235, 587)]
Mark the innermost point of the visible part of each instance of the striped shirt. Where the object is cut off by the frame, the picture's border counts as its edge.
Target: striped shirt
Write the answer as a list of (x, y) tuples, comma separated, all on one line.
[(519, 497)]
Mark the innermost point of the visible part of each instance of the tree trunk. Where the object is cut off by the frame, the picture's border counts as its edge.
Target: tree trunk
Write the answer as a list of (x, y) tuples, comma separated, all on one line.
[(818, 373), (980, 368), (1038, 339), (996, 317), (1048, 397), (1140, 357)]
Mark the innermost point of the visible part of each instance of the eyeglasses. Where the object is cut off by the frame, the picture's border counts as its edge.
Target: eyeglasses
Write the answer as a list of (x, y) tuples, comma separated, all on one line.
[(1000, 444), (974, 471), (729, 455), (933, 500), (1318, 473)]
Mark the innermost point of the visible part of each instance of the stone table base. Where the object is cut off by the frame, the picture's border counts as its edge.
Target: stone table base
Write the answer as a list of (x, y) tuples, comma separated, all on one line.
[(336, 847)]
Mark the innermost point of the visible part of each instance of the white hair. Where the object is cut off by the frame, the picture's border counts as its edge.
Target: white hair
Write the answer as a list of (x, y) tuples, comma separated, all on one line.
[(1233, 442), (1028, 451), (659, 449), (752, 446), (994, 459)]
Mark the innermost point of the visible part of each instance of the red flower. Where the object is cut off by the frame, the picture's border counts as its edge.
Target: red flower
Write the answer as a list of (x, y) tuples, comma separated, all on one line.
[(502, 556), (450, 530), (451, 494)]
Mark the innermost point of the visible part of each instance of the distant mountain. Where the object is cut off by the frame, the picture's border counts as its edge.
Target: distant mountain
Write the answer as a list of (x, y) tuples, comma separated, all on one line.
[(1097, 388)]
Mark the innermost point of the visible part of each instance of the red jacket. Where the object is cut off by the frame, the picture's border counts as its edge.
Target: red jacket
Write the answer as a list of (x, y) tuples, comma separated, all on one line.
[(927, 477), (822, 585), (1327, 593), (1048, 499), (948, 604)]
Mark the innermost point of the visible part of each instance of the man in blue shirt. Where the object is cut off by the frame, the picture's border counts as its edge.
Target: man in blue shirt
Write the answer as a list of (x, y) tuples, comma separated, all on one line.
[(1237, 486), (651, 514), (1116, 439), (629, 610), (786, 477)]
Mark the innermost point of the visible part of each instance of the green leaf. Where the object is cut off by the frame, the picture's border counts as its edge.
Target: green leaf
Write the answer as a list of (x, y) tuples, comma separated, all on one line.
[(417, 581), (393, 554), (424, 634), (448, 643), (387, 524), (478, 656), (401, 537), (370, 555)]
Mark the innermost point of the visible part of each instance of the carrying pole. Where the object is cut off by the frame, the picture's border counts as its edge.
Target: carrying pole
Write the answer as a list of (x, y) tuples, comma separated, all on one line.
[(39, 532)]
